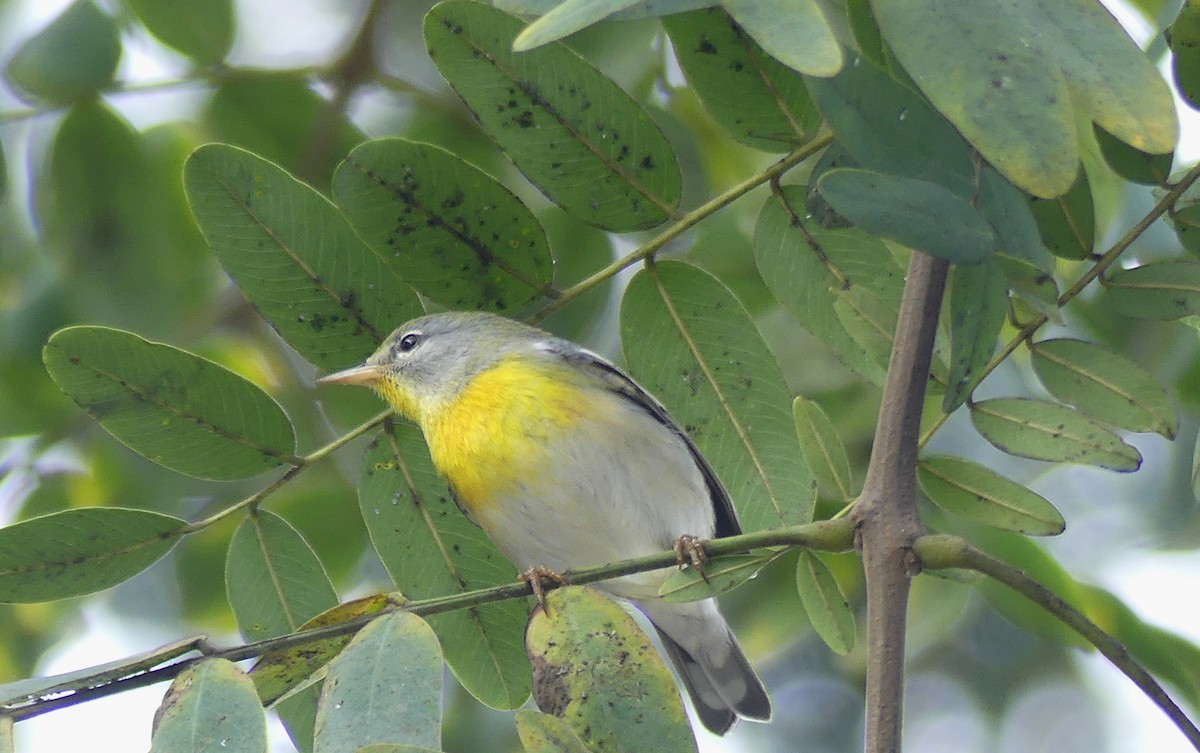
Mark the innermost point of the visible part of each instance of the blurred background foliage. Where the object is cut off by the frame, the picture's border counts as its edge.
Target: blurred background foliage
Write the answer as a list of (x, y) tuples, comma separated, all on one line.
[(95, 228)]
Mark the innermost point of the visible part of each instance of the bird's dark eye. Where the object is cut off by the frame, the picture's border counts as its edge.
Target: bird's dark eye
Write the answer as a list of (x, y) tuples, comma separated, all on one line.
[(409, 341)]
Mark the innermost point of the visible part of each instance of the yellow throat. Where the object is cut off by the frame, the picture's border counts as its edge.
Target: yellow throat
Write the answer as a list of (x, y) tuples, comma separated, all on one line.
[(498, 433)]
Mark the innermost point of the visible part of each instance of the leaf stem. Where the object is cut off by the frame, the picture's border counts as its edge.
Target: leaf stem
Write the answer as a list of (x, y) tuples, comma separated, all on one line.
[(301, 464), (685, 223), (1102, 264)]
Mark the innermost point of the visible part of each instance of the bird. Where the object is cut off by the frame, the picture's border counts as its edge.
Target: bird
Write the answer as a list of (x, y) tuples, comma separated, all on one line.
[(566, 462)]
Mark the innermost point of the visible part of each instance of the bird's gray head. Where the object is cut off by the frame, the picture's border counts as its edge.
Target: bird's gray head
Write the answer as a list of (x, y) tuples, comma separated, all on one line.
[(431, 358)]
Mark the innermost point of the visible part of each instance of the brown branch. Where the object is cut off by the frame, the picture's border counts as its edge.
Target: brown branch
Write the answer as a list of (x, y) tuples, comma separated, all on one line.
[(886, 513)]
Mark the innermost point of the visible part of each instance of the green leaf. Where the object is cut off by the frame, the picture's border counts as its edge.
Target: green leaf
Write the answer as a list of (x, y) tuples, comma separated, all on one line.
[(71, 59), (869, 319), (762, 103), (1162, 290), (450, 230), (431, 549), (915, 213), (1010, 77), (826, 605), (823, 450), (1184, 36), (274, 579), (1131, 163), (794, 32), (1008, 211), (984, 66), (1184, 215), (806, 266), (278, 673), (889, 128), (109, 204), (77, 552), (962, 487), (1030, 283), (565, 19), (573, 132), (211, 707), (595, 668), (1043, 430), (1112, 81), (689, 341), (275, 584), (1068, 222), (978, 305), (175, 408), (384, 688), (546, 733), (1104, 385), (643, 9), (275, 114), (202, 31), (296, 257), (719, 575)]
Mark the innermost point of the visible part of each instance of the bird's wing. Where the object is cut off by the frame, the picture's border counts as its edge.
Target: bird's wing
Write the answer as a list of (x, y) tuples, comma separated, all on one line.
[(621, 383)]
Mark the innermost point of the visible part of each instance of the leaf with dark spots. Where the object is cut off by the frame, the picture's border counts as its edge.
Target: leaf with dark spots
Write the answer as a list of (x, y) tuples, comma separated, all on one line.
[(170, 406), (569, 114), (437, 203), (292, 239), (81, 551)]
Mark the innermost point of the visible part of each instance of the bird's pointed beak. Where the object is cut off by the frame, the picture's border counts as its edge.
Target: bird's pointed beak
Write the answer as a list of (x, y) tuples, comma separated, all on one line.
[(365, 375)]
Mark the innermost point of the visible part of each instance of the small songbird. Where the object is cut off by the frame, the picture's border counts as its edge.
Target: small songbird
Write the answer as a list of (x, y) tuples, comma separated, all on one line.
[(566, 462)]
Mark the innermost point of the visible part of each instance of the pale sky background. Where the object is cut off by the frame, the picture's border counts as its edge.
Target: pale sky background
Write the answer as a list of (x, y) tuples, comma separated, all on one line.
[(1149, 582)]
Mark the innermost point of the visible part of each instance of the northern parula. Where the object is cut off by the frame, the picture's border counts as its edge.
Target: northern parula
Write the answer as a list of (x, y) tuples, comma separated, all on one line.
[(566, 462)]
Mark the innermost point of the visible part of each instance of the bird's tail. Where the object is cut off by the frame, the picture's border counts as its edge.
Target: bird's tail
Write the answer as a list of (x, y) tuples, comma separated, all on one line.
[(718, 677)]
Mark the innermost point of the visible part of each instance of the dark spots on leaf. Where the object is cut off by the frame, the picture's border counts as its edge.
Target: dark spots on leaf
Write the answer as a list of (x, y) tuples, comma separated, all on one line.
[(525, 119), (452, 27), (73, 360), (318, 322), (647, 162), (736, 66), (706, 47)]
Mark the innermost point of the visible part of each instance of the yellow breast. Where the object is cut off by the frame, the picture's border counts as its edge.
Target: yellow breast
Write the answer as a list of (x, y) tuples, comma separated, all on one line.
[(495, 436)]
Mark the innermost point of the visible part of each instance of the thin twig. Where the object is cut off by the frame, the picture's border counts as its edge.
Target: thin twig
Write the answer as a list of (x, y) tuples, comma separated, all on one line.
[(941, 551)]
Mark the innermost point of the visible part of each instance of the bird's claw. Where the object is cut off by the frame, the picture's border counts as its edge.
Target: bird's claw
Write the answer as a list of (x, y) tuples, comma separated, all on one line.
[(689, 550), (534, 575)]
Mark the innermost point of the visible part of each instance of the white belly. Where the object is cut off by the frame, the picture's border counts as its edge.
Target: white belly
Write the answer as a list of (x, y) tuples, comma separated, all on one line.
[(609, 494)]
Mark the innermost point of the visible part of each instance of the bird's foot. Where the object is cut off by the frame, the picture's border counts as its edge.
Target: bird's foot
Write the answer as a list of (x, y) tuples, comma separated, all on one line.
[(689, 550), (535, 577)]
